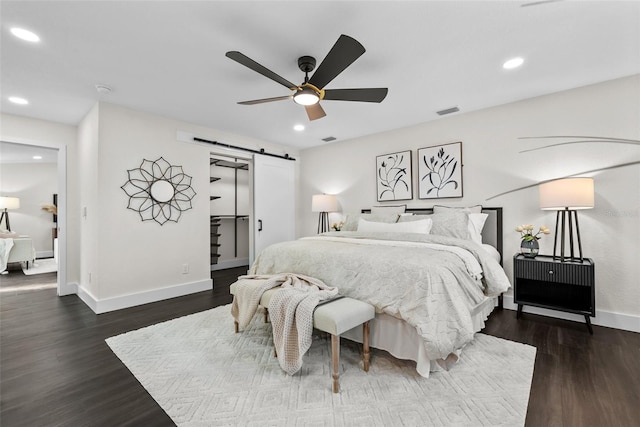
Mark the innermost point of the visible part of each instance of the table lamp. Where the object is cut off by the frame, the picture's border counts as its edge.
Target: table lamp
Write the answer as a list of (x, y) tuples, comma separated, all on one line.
[(567, 196), (324, 203)]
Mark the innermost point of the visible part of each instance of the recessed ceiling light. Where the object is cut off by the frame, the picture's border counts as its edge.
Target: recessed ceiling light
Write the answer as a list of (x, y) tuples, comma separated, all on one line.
[(513, 63), (23, 34), (299, 128), (18, 100), (37, 157)]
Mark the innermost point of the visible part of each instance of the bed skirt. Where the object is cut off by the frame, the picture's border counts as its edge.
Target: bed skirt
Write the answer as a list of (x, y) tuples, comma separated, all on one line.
[(402, 341)]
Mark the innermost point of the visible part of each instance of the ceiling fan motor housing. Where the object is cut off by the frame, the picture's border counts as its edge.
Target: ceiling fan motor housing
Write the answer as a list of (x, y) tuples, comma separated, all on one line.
[(306, 63)]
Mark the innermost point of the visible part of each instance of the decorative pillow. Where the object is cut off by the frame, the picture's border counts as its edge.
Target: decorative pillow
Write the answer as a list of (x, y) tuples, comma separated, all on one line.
[(422, 226), (469, 209), (386, 210), (452, 223), (476, 224), (351, 221)]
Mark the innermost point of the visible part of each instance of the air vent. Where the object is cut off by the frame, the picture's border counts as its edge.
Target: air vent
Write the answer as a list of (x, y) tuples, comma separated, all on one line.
[(448, 111), (329, 139)]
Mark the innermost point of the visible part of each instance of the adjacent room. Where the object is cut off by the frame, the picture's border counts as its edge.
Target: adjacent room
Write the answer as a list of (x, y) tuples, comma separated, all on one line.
[(29, 260), (404, 213)]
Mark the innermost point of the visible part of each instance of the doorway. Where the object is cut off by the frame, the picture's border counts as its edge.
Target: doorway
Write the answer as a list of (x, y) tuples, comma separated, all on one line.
[(35, 176)]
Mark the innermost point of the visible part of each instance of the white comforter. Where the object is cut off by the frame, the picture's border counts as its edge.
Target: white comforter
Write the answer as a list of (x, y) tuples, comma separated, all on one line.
[(5, 248), (417, 278)]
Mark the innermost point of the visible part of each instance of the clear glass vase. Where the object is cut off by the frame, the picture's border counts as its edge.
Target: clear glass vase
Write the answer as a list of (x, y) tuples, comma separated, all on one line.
[(529, 248)]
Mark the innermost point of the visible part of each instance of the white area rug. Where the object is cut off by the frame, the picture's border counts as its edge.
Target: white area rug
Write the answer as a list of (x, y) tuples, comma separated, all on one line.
[(46, 265), (202, 374)]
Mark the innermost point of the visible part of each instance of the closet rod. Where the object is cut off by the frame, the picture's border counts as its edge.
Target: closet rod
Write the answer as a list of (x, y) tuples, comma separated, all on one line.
[(261, 151)]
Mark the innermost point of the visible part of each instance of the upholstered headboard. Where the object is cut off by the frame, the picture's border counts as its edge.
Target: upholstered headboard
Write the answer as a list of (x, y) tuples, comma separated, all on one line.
[(491, 233)]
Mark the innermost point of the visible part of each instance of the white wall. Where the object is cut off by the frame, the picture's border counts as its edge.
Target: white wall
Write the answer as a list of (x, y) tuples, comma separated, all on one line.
[(88, 164), (131, 261), (35, 184), (25, 130), (493, 164)]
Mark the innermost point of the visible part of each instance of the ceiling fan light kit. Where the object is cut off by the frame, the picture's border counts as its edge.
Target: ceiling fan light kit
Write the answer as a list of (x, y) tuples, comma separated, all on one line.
[(308, 94)]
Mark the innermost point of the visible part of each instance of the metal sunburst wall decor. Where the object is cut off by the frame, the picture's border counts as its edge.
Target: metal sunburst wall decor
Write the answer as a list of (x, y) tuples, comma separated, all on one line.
[(158, 191)]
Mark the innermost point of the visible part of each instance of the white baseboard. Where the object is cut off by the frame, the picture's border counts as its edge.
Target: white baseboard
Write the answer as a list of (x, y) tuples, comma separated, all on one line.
[(67, 289), (132, 300), (44, 254), (231, 263), (608, 319)]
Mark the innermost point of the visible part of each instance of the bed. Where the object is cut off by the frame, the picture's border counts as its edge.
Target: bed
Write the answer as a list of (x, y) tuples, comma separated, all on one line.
[(432, 291)]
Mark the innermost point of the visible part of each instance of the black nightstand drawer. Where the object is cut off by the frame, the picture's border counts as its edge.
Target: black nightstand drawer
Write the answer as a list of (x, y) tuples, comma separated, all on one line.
[(570, 273)]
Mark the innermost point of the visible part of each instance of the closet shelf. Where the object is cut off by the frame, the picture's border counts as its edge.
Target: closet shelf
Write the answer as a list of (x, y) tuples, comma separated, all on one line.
[(228, 164)]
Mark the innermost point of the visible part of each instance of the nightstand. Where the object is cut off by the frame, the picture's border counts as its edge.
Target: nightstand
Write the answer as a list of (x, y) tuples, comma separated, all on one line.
[(548, 283)]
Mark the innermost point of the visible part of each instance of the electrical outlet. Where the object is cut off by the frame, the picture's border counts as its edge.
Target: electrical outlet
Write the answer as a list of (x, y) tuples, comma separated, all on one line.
[(185, 268)]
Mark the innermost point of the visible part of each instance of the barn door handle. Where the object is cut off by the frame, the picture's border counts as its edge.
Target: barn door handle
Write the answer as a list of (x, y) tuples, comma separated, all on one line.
[(259, 225)]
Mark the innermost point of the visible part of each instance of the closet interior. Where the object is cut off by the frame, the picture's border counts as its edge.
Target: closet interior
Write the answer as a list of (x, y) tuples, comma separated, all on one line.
[(229, 208)]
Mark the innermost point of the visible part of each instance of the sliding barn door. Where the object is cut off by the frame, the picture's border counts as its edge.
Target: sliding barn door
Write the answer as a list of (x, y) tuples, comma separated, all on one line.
[(273, 202)]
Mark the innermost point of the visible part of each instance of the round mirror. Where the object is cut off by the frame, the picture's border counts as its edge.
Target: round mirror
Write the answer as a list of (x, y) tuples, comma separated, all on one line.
[(162, 191)]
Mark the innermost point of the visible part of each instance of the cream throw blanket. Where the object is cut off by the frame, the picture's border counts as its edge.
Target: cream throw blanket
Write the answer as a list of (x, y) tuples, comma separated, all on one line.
[(291, 311)]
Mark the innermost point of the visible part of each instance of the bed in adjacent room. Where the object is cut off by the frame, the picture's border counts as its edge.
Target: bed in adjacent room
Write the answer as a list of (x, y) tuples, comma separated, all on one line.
[(433, 275)]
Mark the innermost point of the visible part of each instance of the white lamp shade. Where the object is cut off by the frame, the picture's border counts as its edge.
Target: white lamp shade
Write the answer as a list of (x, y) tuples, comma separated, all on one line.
[(9, 203), (568, 193), (324, 203)]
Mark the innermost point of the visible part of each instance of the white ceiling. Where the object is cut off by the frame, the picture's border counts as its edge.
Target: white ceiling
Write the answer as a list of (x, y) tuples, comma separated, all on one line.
[(169, 58), (20, 153)]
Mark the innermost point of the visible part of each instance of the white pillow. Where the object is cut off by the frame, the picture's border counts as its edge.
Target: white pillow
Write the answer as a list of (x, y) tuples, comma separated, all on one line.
[(423, 226), (475, 225), (351, 221)]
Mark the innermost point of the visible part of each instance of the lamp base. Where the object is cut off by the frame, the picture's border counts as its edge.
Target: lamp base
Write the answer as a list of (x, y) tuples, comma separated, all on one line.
[(4, 215), (567, 218), (323, 222)]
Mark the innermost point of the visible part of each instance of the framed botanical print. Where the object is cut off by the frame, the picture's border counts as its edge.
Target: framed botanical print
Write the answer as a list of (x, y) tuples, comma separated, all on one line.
[(440, 171), (393, 176)]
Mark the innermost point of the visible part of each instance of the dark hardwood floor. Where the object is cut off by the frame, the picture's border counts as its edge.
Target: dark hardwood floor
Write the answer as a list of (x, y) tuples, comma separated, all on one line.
[(56, 369)]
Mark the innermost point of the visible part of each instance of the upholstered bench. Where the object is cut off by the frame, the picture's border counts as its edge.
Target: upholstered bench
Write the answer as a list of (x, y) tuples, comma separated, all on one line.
[(338, 316), (334, 317)]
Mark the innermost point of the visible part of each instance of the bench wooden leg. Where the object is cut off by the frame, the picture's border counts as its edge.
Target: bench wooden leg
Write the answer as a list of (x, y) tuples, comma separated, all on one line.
[(335, 361), (236, 327), (366, 354)]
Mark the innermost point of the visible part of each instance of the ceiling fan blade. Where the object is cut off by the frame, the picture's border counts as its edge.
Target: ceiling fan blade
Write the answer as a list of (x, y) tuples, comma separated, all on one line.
[(342, 54), (315, 111), (362, 95), (250, 63), (262, 101)]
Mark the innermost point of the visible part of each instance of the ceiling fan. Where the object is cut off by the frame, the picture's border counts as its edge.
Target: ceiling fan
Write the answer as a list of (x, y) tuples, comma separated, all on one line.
[(343, 53)]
